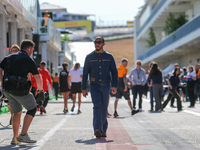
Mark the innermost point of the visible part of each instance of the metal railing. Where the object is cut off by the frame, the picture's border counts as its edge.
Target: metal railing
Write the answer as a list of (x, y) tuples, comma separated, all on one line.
[(184, 30), (46, 27), (152, 15)]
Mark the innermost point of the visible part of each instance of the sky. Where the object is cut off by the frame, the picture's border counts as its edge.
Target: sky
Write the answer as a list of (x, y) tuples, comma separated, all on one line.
[(115, 12), (108, 11), (81, 49)]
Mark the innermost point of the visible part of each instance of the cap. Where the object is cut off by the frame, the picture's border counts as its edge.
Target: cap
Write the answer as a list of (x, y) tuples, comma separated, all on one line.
[(99, 37)]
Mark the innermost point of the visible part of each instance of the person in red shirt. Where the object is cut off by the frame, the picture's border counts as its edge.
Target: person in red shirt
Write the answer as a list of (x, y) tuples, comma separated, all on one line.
[(40, 107), (46, 78), (33, 84)]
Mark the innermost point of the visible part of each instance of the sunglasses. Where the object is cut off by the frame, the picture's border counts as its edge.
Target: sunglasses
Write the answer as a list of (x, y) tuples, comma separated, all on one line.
[(98, 42), (138, 64)]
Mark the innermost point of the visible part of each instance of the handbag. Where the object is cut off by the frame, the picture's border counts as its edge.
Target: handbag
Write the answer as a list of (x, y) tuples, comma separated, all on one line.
[(16, 85)]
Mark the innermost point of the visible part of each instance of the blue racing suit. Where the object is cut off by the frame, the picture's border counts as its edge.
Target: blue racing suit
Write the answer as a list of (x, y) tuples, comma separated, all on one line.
[(102, 70)]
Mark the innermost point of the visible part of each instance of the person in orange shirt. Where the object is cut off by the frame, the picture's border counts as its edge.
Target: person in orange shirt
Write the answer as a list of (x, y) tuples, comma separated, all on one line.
[(198, 74), (46, 78), (123, 89), (56, 85), (46, 16)]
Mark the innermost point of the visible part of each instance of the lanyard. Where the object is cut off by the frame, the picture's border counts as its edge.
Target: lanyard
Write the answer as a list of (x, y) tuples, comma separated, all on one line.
[(138, 72)]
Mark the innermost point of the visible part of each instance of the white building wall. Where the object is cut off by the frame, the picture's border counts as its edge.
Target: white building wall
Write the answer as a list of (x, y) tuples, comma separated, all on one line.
[(145, 14), (189, 14), (196, 8), (189, 59), (3, 36), (158, 34), (141, 47), (146, 28), (55, 64), (13, 33), (44, 51)]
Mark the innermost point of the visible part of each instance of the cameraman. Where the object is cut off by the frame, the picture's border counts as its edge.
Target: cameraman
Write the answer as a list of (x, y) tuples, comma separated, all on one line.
[(20, 64)]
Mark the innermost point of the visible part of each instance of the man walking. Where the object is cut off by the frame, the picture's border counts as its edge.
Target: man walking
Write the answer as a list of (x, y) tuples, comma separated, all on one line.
[(46, 78), (123, 89), (138, 78), (101, 67), (18, 66)]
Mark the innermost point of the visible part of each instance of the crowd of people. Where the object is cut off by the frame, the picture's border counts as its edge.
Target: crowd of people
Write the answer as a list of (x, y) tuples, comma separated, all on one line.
[(28, 86), (181, 84), (105, 80)]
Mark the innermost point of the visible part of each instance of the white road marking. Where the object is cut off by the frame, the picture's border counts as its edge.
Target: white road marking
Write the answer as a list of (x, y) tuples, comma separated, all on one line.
[(51, 132), (185, 111), (191, 112)]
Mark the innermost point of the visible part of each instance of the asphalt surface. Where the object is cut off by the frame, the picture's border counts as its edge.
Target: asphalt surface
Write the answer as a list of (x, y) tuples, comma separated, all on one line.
[(169, 130)]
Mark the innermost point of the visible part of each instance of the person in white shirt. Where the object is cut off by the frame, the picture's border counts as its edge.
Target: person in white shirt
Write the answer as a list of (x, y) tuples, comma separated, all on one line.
[(191, 77), (75, 77)]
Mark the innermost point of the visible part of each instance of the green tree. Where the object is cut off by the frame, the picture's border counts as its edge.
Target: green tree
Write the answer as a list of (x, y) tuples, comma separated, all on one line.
[(65, 38), (152, 38), (172, 23)]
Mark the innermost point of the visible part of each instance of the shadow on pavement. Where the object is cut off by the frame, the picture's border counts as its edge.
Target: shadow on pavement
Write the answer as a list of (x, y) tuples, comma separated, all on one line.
[(5, 128), (103, 140), (40, 115), (87, 142), (66, 114), (93, 141), (17, 147), (119, 117)]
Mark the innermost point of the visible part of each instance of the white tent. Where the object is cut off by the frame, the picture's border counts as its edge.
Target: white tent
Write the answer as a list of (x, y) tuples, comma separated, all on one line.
[(168, 69)]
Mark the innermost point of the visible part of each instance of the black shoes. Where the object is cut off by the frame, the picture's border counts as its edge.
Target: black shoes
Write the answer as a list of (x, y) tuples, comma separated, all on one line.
[(115, 114), (79, 112), (97, 133), (173, 106), (190, 106), (65, 111), (134, 112), (42, 109), (103, 135), (72, 108)]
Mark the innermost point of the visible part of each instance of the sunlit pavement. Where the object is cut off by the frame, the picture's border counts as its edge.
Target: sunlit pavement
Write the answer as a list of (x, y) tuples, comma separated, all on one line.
[(169, 130)]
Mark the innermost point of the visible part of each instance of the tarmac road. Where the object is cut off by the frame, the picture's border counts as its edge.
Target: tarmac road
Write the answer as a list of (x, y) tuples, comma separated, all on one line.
[(169, 130)]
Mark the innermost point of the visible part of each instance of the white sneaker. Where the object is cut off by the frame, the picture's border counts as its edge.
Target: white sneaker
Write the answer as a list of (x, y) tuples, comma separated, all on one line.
[(25, 138), (140, 110)]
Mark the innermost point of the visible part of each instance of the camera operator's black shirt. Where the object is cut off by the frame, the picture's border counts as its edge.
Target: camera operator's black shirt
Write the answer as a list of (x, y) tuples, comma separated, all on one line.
[(20, 64)]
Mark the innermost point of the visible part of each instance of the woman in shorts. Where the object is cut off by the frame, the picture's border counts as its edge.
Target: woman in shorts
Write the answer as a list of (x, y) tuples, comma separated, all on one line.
[(75, 77), (64, 85)]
